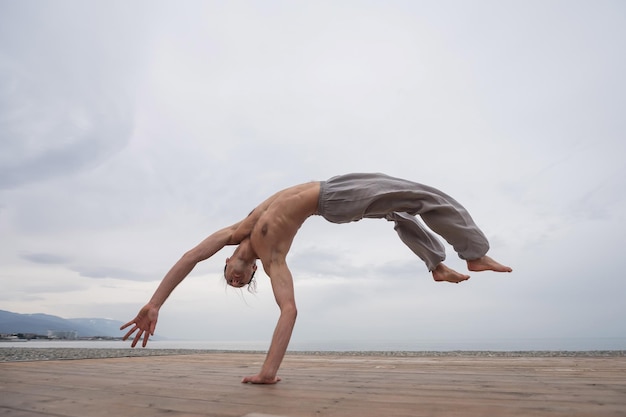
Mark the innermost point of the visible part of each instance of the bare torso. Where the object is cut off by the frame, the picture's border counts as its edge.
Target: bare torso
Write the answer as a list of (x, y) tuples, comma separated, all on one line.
[(272, 226)]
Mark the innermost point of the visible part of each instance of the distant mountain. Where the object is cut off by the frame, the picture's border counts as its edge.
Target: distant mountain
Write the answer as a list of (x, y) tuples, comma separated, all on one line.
[(104, 327), (12, 323)]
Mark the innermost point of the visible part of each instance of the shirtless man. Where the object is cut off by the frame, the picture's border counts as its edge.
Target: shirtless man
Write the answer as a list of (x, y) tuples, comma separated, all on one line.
[(268, 231)]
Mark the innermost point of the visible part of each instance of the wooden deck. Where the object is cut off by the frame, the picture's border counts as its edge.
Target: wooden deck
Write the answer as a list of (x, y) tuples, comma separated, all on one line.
[(364, 386)]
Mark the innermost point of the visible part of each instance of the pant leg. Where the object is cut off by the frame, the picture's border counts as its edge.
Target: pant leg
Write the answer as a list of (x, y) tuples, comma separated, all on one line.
[(450, 220), (423, 243), (351, 197)]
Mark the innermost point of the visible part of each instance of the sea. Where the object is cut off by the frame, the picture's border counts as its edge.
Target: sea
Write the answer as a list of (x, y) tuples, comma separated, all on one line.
[(504, 345)]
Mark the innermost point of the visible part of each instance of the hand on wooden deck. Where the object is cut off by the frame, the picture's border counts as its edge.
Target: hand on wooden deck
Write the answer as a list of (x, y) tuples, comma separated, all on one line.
[(258, 379)]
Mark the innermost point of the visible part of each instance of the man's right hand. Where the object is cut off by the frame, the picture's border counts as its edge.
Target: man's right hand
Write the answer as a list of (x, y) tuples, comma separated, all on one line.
[(258, 379), (144, 324)]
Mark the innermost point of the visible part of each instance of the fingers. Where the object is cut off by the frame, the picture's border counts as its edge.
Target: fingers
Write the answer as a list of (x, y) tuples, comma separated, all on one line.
[(137, 338), (140, 333), (143, 325), (131, 331), (128, 324)]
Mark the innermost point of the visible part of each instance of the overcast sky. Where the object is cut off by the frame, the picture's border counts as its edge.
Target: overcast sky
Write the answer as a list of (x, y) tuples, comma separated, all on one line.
[(130, 131)]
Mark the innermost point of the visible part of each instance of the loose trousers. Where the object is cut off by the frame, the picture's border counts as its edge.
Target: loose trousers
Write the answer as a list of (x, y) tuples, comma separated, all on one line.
[(352, 197)]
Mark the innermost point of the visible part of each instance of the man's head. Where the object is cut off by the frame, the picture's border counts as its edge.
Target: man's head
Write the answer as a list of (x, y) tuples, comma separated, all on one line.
[(239, 273)]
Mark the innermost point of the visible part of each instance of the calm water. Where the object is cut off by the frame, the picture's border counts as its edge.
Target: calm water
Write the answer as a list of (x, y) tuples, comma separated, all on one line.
[(569, 344)]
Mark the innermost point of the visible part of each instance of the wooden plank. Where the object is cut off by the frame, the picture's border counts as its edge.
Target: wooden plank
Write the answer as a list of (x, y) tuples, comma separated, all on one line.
[(208, 384)]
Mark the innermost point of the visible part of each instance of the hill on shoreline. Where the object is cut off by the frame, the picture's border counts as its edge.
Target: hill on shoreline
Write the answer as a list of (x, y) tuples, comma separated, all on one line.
[(41, 324)]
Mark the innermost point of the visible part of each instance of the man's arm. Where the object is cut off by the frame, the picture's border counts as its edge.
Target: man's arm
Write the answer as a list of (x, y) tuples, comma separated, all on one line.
[(282, 285), (145, 321), (207, 248)]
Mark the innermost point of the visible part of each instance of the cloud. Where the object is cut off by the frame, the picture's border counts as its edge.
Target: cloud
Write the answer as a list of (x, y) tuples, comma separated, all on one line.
[(45, 258), (121, 149), (315, 263), (41, 284), (45, 142), (64, 101), (94, 271), (88, 271)]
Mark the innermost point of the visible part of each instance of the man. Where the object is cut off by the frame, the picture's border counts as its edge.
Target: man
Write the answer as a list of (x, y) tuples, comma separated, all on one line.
[(268, 231)]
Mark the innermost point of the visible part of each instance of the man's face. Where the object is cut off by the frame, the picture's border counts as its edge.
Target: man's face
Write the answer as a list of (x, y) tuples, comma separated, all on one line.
[(237, 273)]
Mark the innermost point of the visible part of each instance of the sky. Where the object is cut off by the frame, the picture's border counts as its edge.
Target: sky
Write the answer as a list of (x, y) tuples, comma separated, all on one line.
[(130, 131)]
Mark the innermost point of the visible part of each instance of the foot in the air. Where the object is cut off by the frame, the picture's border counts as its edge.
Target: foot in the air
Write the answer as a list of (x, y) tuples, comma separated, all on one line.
[(443, 273), (485, 263)]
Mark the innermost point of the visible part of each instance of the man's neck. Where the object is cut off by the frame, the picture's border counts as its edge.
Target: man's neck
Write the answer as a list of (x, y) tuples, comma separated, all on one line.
[(245, 252)]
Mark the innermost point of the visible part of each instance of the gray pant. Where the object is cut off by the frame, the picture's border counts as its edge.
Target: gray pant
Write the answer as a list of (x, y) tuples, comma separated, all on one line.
[(352, 197)]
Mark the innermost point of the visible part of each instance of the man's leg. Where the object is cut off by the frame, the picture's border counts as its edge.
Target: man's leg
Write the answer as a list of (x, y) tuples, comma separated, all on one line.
[(352, 197), (425, 245), (451, 220)]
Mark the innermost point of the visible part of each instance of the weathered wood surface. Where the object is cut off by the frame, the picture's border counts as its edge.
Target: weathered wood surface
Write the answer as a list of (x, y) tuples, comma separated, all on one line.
[(327, 385)]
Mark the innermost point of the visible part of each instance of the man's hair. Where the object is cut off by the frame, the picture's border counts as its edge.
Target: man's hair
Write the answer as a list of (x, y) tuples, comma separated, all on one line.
[(251, 285)]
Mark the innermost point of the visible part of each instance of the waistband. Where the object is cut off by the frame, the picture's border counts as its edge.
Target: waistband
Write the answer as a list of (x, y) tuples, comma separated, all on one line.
[(320, 198)]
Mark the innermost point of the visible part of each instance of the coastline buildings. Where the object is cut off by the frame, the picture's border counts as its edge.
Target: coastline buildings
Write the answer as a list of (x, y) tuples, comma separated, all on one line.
[(63, 334), (51, 335)]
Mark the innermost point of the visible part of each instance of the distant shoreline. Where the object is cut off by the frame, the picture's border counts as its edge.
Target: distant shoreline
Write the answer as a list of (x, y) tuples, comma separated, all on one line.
[(20, 354)]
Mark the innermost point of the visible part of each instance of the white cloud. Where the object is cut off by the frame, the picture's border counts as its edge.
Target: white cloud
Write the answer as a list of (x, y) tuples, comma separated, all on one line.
[(123, 148)]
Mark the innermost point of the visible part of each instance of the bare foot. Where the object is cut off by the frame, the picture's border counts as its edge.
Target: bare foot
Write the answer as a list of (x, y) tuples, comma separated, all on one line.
[(487, 264), (443, 273)]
